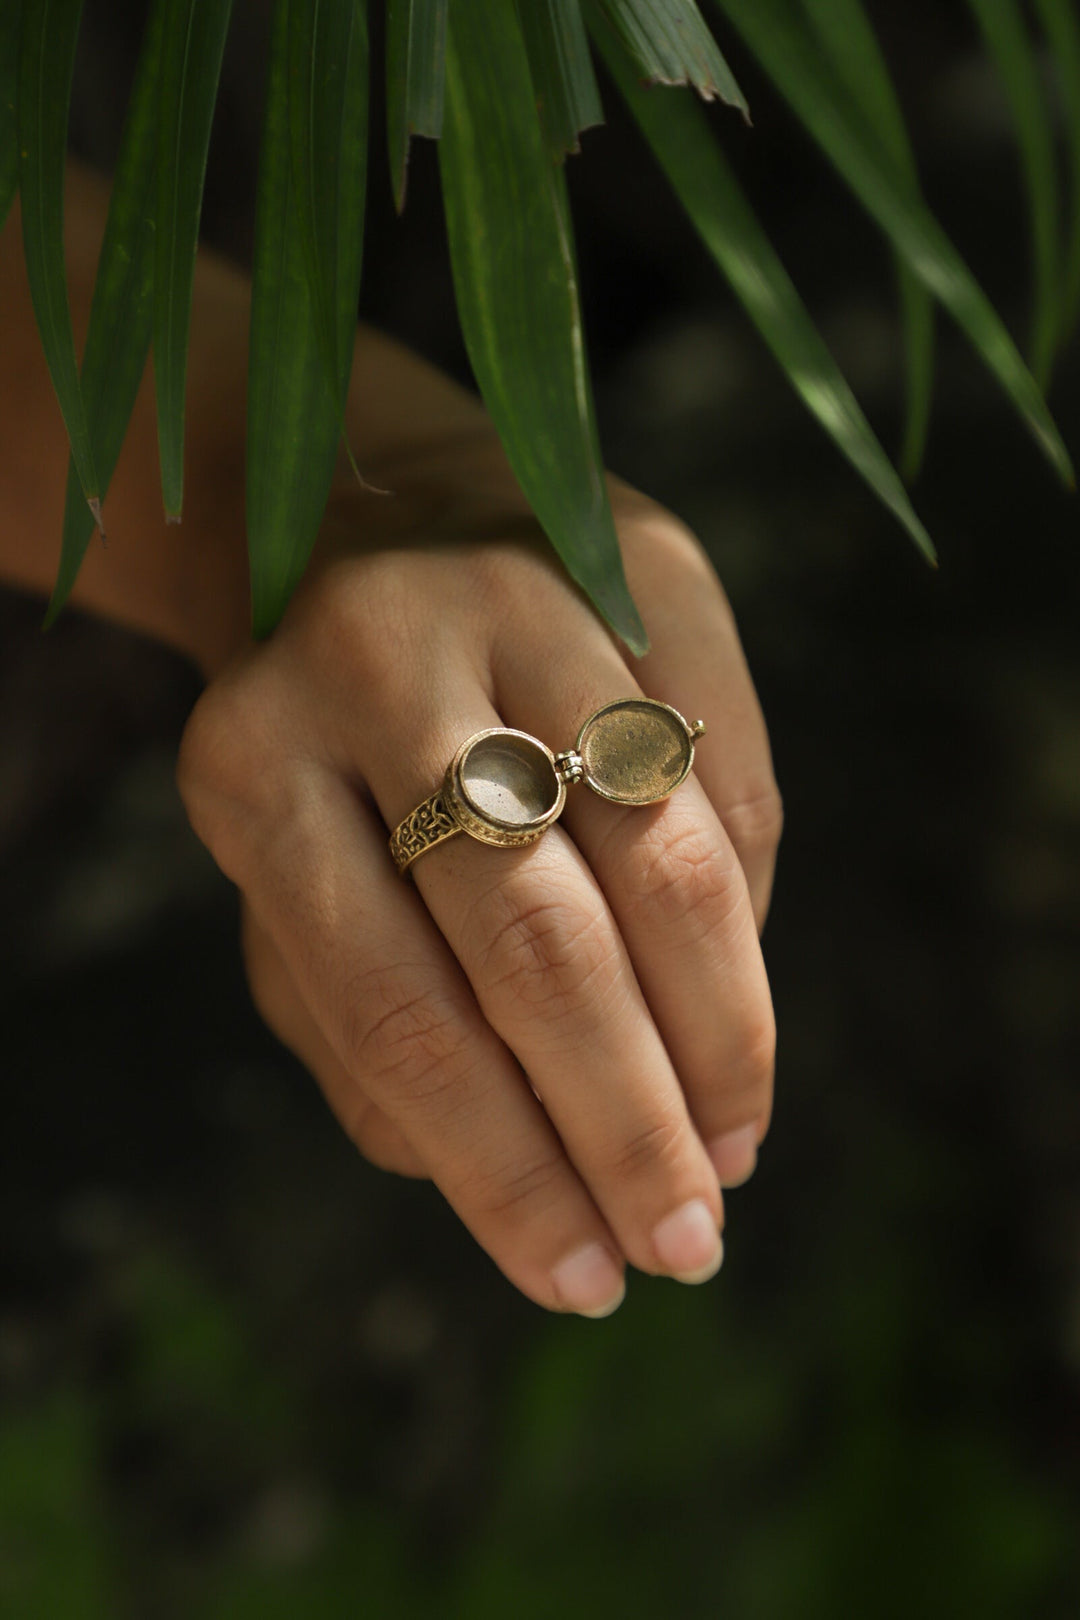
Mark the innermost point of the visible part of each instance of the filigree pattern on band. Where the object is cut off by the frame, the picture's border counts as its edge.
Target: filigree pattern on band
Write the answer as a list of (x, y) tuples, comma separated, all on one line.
[(428, 824)]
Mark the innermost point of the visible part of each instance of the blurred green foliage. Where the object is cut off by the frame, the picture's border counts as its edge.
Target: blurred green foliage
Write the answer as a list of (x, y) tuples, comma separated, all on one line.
[(671, 1462)]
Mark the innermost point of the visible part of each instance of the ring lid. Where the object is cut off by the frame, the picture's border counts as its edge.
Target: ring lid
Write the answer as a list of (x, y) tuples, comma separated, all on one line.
[(636, 750)]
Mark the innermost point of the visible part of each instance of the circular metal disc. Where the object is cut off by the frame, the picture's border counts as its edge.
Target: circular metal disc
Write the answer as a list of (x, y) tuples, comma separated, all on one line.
[(509, 780), (635, 751)]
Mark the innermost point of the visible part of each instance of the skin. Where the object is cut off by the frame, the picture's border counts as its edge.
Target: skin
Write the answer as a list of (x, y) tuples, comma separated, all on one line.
[(574, 1040)]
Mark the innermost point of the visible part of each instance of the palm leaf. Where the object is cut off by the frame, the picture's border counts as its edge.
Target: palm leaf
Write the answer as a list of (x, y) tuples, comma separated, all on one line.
[(1007, 39), (415, 79), (10, 23), (293, 413), (787, 54), (328, 108), (1059, 20), (515, 276), (194, 41), (50, 30), (844, 31), (681, 141), (121, 315), (564, 83), (672, 44)]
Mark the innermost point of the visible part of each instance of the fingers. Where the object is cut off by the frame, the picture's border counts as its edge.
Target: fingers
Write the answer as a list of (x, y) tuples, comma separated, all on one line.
[(679, 895), (680, 900), (400, 1021), (697, 659), (552, 977)]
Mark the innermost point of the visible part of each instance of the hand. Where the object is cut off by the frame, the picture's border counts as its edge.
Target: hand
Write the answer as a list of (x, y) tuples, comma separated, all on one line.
[(575, 1039)]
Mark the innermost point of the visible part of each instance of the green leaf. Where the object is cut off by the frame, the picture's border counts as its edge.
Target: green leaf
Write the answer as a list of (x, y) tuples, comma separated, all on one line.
[(512, 255), (788, 57), (50, 31), (1059, 20), (682, 142), (567, 96), (415, 79), (672, 44), (121, 315), (10, 21), (845, 32), (1007, 39), (328, 111), (192, 49), (293, 416)]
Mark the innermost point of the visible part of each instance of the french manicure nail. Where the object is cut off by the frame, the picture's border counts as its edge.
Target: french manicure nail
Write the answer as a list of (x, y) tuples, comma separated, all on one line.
[(688, 1244), (734, 1156), (590, 1281)]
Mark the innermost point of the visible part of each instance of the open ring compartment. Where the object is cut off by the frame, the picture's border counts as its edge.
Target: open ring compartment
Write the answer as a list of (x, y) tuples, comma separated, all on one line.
[(503, 787)]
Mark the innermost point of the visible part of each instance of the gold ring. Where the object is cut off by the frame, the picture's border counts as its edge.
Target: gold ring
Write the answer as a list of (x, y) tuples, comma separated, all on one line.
[(505, 787)]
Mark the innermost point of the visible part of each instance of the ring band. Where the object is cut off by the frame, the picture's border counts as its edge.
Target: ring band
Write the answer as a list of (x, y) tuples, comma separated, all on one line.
[(506, 788)]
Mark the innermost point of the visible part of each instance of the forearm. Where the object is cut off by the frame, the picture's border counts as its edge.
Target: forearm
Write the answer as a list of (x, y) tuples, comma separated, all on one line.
[(185, 584), (413, 430)]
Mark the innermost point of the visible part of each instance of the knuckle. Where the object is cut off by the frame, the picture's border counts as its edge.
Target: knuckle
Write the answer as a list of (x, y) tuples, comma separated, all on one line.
[(755, 824), (497, 577), (343, 606), (748, 1075), (325, 624), (682, 877), (758, 1051), (668, 546), (517, 1194), (356, 614), (371, 1146), (355, 611), (338, 596), (656, 1147), (646, 522), (230, 734), (205, 749), (372, 1134), (514, 572), (407, 1038), (546, 955)]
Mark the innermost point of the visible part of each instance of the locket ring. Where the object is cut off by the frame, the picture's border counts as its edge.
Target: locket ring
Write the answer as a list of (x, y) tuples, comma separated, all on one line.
[(506, 787)]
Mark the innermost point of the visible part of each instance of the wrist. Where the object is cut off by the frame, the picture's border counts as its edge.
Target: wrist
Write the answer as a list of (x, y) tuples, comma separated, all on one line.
[(187, 584)]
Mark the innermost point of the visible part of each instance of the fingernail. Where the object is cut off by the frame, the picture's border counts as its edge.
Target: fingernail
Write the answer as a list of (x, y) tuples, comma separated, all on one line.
[(734, 1156), (688, 1244), (590, 1281)]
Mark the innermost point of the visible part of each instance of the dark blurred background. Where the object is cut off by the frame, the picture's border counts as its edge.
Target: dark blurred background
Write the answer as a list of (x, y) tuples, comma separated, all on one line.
[(243, 1374)]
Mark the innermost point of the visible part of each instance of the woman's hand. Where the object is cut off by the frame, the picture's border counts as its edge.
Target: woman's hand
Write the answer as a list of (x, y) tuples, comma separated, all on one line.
[(574, 1039)]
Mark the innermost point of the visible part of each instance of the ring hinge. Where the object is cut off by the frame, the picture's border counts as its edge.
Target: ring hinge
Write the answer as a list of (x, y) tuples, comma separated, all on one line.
[(569, 767)]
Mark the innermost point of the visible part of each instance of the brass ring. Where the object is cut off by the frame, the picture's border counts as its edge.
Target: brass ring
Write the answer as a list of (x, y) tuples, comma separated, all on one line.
[(505, 787)]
